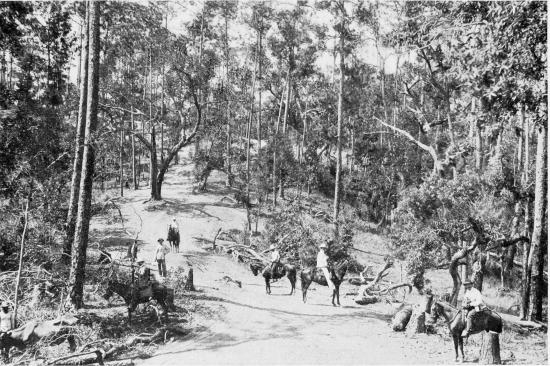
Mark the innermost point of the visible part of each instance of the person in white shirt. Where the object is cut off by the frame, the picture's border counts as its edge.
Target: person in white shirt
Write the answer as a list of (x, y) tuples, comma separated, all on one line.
[(174, 225), (6, 318), (322, 263), (160, 257), (471, 303), (275, 258)]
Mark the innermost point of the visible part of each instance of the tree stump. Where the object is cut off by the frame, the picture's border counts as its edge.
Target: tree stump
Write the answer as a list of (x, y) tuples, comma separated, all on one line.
[(490, 349), (418, 318), (401, 319), (189, 286)]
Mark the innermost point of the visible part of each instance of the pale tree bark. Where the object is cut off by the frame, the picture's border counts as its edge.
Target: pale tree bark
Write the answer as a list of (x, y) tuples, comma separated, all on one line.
[(120, 159), (337, 183), (133, 141), (229, 179), (536, 255), (248, 133), (276, 147), (79, 146), (80, 243), (525, 277), (285, 121)]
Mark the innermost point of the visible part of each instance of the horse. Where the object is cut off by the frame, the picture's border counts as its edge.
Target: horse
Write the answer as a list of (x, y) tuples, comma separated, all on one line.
[(34, 331), (134, 297), (313, 274), (281, 271), (173, 238), (485, 320)]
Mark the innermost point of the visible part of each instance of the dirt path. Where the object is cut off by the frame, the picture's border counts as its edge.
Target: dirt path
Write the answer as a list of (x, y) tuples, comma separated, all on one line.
[(251, 327)]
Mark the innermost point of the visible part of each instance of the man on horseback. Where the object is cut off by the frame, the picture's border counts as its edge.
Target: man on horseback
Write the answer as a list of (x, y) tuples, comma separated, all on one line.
[(471, 303), (322, 263), (275, 259)]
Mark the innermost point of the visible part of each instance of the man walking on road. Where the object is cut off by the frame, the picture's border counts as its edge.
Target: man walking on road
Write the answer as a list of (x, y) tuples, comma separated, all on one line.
[(160, 257), (322, 263)]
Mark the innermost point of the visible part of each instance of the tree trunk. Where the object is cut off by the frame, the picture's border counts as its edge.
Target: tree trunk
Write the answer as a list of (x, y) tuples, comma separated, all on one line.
[(478, 148), (285, 119), (79, 148), (337, 182), (189, 285), (120, 160), (248, 133), (229, 179), (80, 244), (490, 349), (134, 180), (153, 169), (536, 255), (526, 276)]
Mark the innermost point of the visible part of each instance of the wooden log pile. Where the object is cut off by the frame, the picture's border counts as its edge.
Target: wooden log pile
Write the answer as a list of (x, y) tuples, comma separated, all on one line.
[(374, 290), (105, 355)]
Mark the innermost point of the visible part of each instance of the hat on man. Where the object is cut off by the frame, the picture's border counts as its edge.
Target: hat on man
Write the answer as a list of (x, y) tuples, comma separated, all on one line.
[(5, 304), (272, 247), (467, 283), (323, 246), (160, 240)]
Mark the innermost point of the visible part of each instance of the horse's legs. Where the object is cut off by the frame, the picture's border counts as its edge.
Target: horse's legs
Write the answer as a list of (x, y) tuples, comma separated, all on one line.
[(305, 285), (338, 294), (292, 279), (267, 286), (461, 344), (455, 341)]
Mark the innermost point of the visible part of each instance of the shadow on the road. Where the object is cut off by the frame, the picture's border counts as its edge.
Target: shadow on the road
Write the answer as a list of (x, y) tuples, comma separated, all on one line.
[(358, 314)]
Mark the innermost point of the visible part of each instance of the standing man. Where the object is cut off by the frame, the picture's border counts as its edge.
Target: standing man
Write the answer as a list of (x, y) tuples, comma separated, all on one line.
[(275, 259), (322, 263), (7, 322), (160, 257), (471, 303)]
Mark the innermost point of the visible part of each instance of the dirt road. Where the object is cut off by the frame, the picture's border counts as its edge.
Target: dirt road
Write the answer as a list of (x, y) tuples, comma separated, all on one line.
[(251, 327)]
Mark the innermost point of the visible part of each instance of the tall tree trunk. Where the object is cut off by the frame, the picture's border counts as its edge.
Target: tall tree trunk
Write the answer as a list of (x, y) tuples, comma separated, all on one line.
[(536, 255), (153, 171), (337, 183), (285, 119), (248, 133), (80, 244), (229, 178), (79, 147), (526, 276), (276, 147), (121, 161), (134, 180)]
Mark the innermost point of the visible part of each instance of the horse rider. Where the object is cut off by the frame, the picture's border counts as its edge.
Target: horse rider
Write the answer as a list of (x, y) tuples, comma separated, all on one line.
[(160, 257), (174, 225), (471, 303), (322, 263), (7, 321), (275, 258)]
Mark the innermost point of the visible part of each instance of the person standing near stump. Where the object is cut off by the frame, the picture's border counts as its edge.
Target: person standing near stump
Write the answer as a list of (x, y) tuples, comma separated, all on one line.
[(160, 257)]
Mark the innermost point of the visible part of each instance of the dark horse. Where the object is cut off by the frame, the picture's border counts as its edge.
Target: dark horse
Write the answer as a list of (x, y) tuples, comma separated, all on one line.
[(485, 320), (133, 298), (282, 270), (174, 239), (314, 274), (34, 331)]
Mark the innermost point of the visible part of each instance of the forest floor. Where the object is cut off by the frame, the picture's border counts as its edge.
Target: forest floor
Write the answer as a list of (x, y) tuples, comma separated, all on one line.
[(235, 325)]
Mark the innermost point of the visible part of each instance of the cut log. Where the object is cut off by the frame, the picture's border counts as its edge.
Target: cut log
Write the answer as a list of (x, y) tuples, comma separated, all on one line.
[(418, 318), (490, 349), (401, 319), (365, 299), (189, 286), (80, 358)]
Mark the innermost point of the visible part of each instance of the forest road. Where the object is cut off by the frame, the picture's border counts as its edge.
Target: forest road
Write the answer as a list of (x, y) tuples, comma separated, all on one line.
[(248, 326)]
